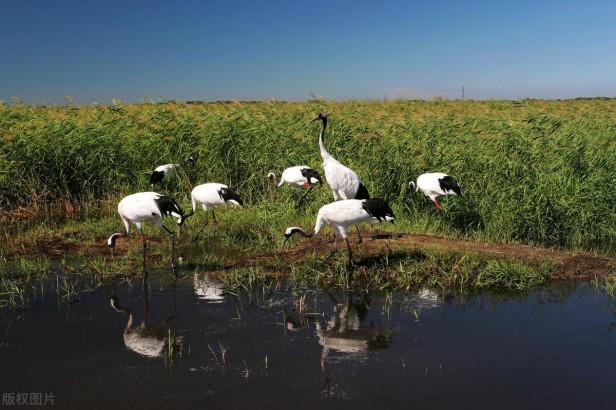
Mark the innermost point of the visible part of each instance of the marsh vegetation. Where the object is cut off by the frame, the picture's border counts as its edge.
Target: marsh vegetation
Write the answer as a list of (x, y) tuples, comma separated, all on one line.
[(534, 173)]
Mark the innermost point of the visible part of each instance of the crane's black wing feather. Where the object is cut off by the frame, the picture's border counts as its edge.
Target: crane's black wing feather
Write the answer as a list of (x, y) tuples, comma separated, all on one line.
[(362, 192), (157, 177), (377, 208), (167, 205)]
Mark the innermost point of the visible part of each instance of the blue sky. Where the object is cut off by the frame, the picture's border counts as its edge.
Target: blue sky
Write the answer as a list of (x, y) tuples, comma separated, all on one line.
[(207, 50)]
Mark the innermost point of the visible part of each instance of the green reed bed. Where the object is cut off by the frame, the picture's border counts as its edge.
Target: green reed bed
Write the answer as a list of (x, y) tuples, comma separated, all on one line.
[(537, 172)]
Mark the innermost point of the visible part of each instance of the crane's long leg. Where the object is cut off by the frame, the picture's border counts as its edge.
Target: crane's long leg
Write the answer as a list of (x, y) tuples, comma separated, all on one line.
[(215, 221), (301, 199), (335, 237), (199, 233), (350, 251), (202, 229), (335, 248), (359, 234), (172, 235), (146, 299), (428, 222), (174, 311), (145, 250), (437, 207)]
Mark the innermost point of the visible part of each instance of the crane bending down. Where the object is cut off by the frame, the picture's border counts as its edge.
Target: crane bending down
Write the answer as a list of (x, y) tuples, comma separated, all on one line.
[(162, 173), (209, 196), (340, 214), (300, 176), (434, 185), (147, 207)]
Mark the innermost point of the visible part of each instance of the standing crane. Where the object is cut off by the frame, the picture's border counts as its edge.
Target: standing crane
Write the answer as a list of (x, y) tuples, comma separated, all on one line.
[(343, 181)]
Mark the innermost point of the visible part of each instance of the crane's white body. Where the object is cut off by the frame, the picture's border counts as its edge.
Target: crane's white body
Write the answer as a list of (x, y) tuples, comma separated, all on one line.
[(141, 207), (147, 207), (342, 180), (208, 196), (429, 185), (340, 214), (294, 177)]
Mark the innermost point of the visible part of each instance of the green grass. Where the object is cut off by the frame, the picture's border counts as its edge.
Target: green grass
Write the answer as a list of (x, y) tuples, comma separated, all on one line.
[(414, 268), (536, 172), (606, 282)]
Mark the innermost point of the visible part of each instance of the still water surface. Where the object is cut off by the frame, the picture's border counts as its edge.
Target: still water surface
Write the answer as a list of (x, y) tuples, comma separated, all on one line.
[(120, 347)]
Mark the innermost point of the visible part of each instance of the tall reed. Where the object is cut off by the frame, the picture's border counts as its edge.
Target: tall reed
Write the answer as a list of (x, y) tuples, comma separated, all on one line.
[(533, 171)]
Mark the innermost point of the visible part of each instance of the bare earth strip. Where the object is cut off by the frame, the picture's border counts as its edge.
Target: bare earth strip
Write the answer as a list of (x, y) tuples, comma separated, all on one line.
[(573, 265)]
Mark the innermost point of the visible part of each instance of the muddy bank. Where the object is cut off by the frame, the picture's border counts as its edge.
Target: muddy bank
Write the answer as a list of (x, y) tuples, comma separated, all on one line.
[(570, 265)]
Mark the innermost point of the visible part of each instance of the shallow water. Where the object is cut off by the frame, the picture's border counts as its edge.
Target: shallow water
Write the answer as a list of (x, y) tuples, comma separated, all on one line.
[(301, 348)]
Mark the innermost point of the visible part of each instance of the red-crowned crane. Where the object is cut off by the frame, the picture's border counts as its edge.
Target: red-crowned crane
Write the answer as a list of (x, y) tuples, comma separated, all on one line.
[(163, 173), (434, 185), (340, 214), (209, 196), (343, 181), (300, 176), (147, 207)]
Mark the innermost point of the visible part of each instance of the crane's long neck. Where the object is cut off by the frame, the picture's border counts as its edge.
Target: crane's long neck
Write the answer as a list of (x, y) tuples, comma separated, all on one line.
[(297, 230), (324, 153), (318, 225)]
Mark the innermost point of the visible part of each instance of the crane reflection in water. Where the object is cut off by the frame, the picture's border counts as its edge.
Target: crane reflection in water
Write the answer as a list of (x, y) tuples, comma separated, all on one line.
[(151, 340), (208, 288), (351, 331)]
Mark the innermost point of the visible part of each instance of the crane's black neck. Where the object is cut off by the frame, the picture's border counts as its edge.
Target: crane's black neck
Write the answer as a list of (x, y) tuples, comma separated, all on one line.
[(324, 121), (324, 152)]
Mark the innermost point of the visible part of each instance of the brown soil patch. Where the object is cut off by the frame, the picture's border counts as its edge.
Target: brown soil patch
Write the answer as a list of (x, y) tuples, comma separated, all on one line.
[(571, 265), (56, 247)]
